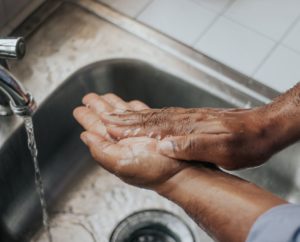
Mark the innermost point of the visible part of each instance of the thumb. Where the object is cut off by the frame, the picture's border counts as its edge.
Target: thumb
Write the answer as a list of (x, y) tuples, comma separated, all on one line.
[(203, 147), (180, 147)]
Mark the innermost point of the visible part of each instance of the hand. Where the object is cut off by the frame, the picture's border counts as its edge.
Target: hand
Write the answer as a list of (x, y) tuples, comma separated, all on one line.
[(217, 201), (134, 160), (229, 138)]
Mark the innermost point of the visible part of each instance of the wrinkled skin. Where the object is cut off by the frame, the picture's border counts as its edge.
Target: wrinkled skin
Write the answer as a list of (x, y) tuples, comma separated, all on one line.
[(229, 138), (135, 160)]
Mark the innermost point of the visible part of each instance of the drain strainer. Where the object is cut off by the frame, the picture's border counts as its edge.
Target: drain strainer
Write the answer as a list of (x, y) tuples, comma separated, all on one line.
[(152, 226)]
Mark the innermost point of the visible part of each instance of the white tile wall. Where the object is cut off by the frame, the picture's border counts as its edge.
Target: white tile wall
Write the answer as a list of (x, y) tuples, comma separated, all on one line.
[(282, 70), (235, 45), (214, 5), (292, 40), (269, 17), (260, 38), (184, 20), (129, 7)]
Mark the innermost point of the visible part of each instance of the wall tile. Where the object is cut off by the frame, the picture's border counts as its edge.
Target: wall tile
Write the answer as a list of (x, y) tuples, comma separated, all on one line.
[(184, 20), (293, 38), (234, 45), (281, 71), (270, 17)]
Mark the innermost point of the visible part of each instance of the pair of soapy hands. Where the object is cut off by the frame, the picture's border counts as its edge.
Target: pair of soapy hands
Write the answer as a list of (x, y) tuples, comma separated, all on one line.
[(146, 147)]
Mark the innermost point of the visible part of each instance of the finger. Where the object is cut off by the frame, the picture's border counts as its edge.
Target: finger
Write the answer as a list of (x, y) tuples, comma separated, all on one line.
[(90, 121), (116, 102), (137, 105), (97, 103), (203, 147), (152, 116), (127, 118), (122, 132)]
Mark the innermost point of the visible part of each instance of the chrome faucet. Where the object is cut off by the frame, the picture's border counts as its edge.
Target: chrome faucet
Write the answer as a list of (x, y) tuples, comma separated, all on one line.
[(14, 99)]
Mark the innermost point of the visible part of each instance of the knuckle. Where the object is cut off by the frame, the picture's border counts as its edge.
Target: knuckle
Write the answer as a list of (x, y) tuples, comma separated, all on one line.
[(111, 96), (90, 97), (135, 101), (77, 111)]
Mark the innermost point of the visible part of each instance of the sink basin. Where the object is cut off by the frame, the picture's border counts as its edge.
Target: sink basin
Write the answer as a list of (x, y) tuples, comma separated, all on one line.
[(78, 190)]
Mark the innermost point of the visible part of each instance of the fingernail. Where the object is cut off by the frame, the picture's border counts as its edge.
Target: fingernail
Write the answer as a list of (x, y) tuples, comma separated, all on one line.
[(165, 146), (84, 138)]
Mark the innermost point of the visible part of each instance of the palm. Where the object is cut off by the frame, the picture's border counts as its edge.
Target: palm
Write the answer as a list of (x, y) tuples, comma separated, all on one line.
[(138, 162)]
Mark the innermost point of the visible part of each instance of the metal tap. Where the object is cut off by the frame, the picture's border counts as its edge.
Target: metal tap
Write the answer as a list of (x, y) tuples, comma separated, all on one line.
[(14, 99)]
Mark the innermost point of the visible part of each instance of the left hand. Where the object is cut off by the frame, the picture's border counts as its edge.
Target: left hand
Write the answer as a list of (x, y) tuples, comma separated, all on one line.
[(134, 160)]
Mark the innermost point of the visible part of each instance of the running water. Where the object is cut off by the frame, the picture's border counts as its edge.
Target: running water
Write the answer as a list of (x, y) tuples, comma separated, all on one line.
[(38, 179)]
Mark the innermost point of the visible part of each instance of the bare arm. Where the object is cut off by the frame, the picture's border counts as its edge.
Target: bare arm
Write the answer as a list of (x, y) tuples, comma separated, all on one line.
[(224, 205), (283, 119)]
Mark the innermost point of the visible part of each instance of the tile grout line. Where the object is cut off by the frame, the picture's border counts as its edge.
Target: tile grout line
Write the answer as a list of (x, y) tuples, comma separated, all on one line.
[(216, 18), (290, 48), (248, 28), (276, 46), (143, 9)]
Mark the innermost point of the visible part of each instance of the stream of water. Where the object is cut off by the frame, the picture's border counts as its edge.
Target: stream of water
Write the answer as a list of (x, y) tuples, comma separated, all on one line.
[(38, 178)]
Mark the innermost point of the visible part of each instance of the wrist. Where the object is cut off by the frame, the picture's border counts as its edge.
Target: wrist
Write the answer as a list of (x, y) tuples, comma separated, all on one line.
[(184, 180), (282, 125), (175, 183)]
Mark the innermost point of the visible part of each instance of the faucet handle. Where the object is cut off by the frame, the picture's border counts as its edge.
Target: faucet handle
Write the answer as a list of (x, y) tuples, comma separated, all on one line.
[(12, 48)]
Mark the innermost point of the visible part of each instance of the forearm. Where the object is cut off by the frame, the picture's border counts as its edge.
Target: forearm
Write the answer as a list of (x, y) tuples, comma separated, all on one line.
[(283, 118), (223, 205)]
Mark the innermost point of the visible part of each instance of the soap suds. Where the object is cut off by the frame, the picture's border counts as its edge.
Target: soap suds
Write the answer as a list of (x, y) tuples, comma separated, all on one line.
[(127, 132), (136, 131), (150, 134)]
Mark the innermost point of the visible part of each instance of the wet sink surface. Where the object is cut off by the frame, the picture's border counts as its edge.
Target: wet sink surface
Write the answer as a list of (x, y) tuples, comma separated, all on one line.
[(96, 201)]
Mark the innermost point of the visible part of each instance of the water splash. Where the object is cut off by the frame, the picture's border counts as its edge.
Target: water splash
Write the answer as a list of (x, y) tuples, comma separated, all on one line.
[(38, 178)]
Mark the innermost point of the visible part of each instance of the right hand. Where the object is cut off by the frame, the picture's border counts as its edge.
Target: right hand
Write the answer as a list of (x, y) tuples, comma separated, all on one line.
[(229, 138)]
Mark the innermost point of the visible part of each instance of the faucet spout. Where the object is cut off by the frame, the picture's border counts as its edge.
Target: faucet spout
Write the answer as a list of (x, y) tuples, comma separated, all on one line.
[(13, 97), (20, 101)]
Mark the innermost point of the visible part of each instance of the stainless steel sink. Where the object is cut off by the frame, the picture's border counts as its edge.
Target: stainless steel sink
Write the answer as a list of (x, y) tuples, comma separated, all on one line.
[(65, 161), (86, 202)]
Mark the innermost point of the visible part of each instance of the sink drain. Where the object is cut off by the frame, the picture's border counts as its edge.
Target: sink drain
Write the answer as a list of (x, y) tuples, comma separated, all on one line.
[(152, 226)]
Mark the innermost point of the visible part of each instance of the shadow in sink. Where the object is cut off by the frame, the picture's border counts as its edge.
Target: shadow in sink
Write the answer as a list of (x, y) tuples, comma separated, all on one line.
[(63, 158)]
